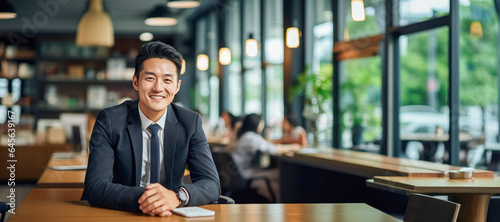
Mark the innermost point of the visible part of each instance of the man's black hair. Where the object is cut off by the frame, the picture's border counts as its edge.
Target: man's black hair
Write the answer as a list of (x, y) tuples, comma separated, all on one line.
[(160, 50)]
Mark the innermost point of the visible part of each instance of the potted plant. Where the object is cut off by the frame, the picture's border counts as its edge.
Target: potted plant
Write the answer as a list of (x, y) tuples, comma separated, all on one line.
[(317, 91), (357, 112)]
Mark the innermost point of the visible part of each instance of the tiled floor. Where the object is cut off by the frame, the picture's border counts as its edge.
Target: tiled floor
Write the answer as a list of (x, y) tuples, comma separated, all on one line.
[(21, 191)]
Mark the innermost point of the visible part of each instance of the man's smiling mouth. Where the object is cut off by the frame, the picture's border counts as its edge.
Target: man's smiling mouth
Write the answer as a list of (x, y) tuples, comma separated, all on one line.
[(157, 97)]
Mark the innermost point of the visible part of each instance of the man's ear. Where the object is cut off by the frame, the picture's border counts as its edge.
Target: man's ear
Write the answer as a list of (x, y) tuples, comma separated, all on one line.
[(135, 83), (178, 86)]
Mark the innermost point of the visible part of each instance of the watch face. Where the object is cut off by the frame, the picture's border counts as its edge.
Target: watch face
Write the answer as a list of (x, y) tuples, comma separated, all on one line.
[(182, 195)]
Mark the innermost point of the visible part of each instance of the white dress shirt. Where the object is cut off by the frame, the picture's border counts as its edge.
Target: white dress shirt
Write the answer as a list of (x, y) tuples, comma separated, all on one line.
[(146, 150)]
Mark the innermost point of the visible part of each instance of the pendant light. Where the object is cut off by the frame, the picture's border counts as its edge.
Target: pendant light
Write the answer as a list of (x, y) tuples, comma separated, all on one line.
[(160, 16), (183, 67), (476, 29), (292, 37), (225, 56), (251, 46), (6, 10), (183, 3), (202, 62), (146, 36), (95, 27), (358, 10)]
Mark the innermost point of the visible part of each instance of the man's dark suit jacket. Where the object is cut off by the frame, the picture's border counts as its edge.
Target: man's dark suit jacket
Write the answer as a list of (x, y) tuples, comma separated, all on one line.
[(114, 167)]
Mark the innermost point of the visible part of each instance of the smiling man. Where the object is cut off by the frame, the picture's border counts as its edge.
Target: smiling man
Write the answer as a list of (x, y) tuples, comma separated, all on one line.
[(139, 149)]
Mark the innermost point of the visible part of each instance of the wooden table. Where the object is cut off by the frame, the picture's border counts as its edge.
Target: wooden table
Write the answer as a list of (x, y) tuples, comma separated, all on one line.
[(63, 178), (74, 159), (339, 176), (380, 164), (431, 141), (64, 194), (31, 160), (432, 137), (473, 194), (66, 178), (438, 169), (76, 211), (217, 141)]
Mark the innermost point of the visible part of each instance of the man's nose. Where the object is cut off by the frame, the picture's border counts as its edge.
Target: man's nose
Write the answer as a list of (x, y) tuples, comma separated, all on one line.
[(158, 85)]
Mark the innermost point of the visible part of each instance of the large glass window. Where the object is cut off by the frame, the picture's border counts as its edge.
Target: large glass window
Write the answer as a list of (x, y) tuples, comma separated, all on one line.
[(202, 90), (319, 114), (273, 18), (253, 74), (479, 71), (361, 86), (212, 39), (373, 24), (361, 101), (413, 11), (233, 70), (424, 91)]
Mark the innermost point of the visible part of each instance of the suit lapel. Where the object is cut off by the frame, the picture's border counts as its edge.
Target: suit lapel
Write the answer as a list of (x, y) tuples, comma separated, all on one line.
[(135, 132), (169, 144)]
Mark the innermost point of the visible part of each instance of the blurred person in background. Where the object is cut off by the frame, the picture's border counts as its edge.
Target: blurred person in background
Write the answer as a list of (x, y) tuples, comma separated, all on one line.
[(292, 132), (249, 142)]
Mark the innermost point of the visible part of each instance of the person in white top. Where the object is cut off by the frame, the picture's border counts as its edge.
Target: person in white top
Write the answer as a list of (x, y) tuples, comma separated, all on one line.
[(292, 132), (245, 148)]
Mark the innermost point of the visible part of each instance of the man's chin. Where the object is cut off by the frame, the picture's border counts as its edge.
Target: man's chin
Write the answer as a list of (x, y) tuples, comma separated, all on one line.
[(159, 108)]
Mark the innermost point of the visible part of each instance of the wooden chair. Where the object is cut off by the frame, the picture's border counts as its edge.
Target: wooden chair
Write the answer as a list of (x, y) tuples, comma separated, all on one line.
[(423, 208)]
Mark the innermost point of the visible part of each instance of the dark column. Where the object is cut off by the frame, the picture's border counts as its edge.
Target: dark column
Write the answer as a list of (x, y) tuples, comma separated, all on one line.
[(454, 76), (391, 143), (338, 36), (294, 59)]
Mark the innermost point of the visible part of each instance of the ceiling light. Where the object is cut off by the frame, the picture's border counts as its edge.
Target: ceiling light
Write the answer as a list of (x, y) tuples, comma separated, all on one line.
[(183, 3), (225, 56), (202, 62), (183, 67), (95, 27), (476, 29), (160, 16), (251, 46), (358, 10), (146, 36), (292, 37), (6, 10)]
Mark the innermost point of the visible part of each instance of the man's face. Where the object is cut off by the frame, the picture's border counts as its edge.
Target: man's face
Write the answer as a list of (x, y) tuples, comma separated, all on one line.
[(157, 85)]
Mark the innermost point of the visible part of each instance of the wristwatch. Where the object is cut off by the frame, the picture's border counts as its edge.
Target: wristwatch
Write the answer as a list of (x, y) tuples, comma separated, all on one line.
[(182, 196)]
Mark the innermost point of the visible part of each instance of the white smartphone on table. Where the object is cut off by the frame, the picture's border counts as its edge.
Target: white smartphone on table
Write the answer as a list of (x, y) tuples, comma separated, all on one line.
[(193, 212)]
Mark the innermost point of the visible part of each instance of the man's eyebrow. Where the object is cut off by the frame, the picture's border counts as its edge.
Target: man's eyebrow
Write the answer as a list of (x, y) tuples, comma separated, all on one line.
[(153, 73)]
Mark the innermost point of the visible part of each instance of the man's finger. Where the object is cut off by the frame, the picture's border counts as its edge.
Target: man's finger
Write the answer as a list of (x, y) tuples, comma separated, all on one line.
[(166, 214), (149, 205), (153, 185), (146, 195)]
